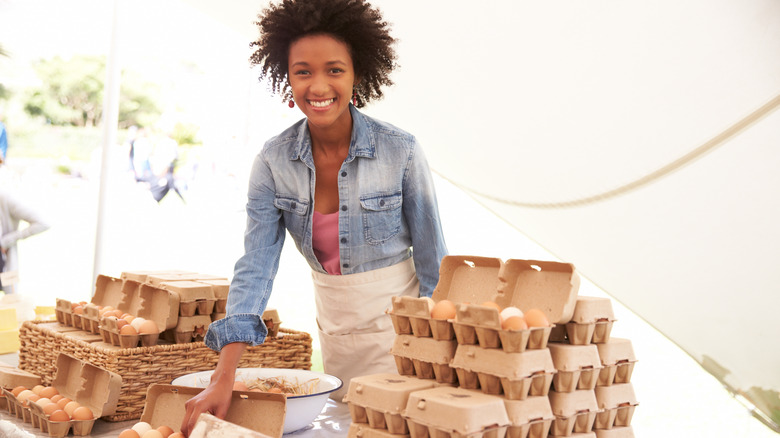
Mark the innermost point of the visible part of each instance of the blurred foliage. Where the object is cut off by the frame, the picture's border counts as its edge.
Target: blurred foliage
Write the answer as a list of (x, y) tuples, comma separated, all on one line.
[(186, 134)]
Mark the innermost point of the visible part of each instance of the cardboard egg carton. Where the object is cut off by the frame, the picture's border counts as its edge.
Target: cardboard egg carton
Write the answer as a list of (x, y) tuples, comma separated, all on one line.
[(462, 279), (221, 288), (615, 432), (188, 329), (209, 426), (379, 399), (578, 366), (516, 375), (477, 324), (10, 378), (64, 312), (455, 412), (425, 358), (575, 412), (361, 430), (591, 321), (529, 418), (141, 276), (93, 387), (195, 298), (618, 359), (165, 406), (617, 403), (272, 322), (158, 279)]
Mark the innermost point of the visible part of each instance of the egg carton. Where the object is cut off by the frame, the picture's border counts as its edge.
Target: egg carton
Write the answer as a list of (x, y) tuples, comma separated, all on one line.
[(378, 399), (141, 276), (188, 329), (221, 288), (615, 432), (575, 412), (529, 418), (578, 366), (516, 375), (591, 321), (365, 431), (10, 378), (617, 357), (412, 316), (172, 276), (195, 298), (15, 407), (425, 358), (617, 403), (64, 312), (271, 320), (456, 413), (110, 334), (481, 325)]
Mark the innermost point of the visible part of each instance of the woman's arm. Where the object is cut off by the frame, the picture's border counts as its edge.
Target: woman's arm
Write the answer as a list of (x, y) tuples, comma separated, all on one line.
[(20, 211)]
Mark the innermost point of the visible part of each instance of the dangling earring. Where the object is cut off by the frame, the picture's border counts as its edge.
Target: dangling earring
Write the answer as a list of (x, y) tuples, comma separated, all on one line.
[(354, 98), (291, 104)]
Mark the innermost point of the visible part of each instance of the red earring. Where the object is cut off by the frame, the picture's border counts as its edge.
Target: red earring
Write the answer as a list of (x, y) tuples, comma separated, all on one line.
[(354, 98), (291, 104)]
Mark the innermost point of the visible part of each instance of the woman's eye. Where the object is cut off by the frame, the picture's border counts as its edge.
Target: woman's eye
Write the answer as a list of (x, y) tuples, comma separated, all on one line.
[(301, 72), (336, 70)]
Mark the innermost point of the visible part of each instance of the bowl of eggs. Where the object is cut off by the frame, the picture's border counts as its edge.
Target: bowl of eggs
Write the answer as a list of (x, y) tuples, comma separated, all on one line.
[(306, 391)]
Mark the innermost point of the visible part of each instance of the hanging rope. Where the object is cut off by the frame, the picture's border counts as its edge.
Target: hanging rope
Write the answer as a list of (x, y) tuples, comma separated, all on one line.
[(661, 172)]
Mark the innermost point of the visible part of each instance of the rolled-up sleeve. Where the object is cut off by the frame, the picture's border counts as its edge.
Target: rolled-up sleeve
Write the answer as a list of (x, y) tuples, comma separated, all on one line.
[(254, 272)]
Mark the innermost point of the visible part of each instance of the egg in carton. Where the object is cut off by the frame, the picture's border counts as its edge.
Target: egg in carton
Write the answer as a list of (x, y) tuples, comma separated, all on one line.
[(92, 387), (456, 413), (195, 298), (618, 359), (481, 324), (425, 358), (617, 403), (145, 303), (578, 366), (494, 371), (15, 406), (591, 321), (361, 430), (109, 291), (379, 399), (575, 412), (10, 378), (615, 432), (529, 418)]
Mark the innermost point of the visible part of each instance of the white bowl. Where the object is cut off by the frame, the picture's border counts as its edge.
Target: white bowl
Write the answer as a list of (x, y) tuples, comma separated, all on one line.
[(301, 409)]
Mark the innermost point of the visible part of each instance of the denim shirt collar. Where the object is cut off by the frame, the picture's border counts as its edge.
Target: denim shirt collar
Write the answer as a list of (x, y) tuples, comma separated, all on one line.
[(361, 145)]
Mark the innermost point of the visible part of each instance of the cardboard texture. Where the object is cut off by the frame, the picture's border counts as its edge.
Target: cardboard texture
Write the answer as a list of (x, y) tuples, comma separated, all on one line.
[(591, 322), (617, 403), (165, 406), (142, 275), (195, 298), (221, 288), (578, 366), (359, 430), (157, 279), (477, 324), (412, 316), (529, 418), (549, 286), (188, 329), (516, 375), (426, 358), (209, 426), (575, 412), (455, 411), (379, 399), (617, 357), (10, 378), (615, 432), (272, 322)]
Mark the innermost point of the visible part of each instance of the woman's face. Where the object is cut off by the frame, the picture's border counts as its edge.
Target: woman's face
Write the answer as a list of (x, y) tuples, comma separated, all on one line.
[(321, 75)]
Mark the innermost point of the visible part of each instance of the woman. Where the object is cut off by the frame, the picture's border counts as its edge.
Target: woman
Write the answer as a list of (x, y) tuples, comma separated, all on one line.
[(355, 194), (14, 210)]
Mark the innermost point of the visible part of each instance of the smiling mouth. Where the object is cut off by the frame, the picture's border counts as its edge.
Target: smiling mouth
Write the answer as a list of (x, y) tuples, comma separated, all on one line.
[(321, 103)]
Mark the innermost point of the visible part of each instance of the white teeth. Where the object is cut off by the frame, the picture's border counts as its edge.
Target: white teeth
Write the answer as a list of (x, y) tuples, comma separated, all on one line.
[(322, 103)]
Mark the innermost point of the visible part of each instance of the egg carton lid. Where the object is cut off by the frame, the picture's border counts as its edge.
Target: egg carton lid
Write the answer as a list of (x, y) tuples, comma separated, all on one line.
[(497, 362), (90, 385), (165, 406), (459, 410), (11, 377), (411, 307), (141, 275), (189, 290), (151, 302), (568, 404), (568, 357), (592, 309), (109, 291), (551, 287), (220, 286), (469, 279), (424, 349), (531, 409), (476, 315), (612, 396), (156, 279), (384, 392), (616, 350), (616, 432)]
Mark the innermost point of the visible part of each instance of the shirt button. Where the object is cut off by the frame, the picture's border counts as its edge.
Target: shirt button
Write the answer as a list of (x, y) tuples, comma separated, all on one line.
[(343, 208), (381, 202), (293, 205), (343, 240), (345, 265), (343, 173)]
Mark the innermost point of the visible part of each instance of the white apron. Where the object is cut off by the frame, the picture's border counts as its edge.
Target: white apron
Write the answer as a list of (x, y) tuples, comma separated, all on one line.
[(355, 332)]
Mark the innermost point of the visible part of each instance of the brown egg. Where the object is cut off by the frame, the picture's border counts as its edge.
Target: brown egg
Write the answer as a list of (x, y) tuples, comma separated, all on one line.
[(55, 398), (536, 318), (31, 398), (153, 433), (82, 413), (127, 330), (238, 385), (444, 309), (121, 323), (148, 327), (73, 305), (176, 435), (514, 323), (59, 415), (49, 392), (63, 401), (43, 401), (51, 407), (128, 318), (166, 431), (24, 395), (37, 389), (16, 391), (129, 433), (491, 304), (70, 407), (78, 310)]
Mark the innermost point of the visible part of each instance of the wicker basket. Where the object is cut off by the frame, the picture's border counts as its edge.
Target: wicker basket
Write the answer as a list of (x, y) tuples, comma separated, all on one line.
[(143, 366)]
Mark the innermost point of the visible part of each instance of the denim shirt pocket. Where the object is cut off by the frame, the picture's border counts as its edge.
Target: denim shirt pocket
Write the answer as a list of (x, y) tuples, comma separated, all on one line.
[(294, 212), (381, 216)]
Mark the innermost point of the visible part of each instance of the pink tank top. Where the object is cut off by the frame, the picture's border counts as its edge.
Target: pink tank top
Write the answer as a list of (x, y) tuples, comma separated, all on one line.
[(325, 241)]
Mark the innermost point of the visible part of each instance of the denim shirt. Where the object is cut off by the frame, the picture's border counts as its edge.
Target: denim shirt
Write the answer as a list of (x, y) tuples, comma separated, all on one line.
[(388, 210)]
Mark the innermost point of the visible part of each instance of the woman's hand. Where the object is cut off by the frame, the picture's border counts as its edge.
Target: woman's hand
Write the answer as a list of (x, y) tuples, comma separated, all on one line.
[(215, 399)]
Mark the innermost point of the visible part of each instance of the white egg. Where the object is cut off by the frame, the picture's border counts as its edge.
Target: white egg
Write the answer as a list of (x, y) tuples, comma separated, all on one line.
[(142, 427), (137, 323), (510, 311)]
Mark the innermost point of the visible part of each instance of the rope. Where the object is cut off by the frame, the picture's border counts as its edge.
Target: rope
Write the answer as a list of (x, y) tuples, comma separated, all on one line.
[(659, 173)]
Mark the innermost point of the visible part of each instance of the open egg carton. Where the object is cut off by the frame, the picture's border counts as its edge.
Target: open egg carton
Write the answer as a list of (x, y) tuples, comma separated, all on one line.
[(455, 413), (378, 400), (10, 378), (89, 386)]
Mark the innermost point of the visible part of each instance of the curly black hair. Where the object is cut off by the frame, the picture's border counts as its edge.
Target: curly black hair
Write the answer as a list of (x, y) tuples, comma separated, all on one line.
[(355, 22)]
